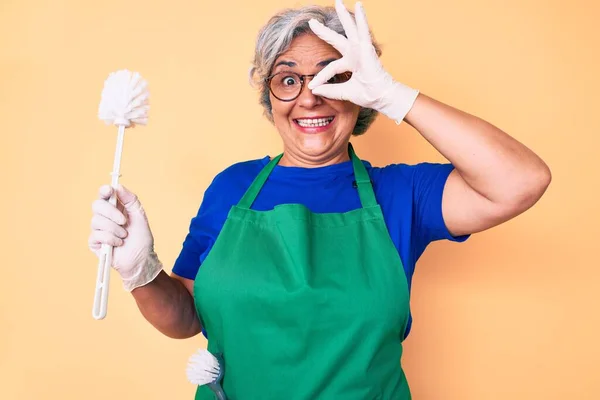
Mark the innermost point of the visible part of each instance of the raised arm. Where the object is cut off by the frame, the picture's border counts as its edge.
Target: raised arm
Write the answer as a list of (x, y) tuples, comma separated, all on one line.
[(495, 177)]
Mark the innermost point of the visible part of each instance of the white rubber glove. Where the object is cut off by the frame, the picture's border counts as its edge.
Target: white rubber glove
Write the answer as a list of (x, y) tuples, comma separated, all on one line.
[(370, 85), (126, 228)]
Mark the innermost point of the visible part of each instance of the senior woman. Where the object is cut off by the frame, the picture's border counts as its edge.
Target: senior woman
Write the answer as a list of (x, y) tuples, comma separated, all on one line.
[(298, 267)]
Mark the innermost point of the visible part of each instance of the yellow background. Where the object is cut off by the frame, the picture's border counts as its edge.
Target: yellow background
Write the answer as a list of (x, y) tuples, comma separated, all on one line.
[(511, 314)]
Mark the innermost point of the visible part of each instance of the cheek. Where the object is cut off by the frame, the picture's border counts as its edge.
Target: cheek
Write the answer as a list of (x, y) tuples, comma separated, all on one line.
[(348, 111), (279, 109)]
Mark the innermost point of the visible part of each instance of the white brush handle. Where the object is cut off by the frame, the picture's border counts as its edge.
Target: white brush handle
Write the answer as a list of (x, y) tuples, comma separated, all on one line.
[(105, 262)]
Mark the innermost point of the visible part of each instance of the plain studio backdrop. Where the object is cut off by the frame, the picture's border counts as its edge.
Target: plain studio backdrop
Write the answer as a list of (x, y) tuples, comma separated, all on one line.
[(511, 314)]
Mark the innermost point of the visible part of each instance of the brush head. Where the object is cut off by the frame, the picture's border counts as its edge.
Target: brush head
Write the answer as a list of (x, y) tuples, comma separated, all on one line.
[(125, 99), (203, 368)]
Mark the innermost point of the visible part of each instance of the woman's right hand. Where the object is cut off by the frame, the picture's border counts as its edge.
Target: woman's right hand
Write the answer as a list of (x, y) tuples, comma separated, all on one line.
[(126, 228)]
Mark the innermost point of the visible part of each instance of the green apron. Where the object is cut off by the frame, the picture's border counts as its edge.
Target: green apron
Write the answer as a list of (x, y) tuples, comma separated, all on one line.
[(305, 306)]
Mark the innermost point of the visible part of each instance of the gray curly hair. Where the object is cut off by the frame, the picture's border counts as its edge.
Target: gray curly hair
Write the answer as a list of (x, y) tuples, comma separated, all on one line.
[(275, 37)]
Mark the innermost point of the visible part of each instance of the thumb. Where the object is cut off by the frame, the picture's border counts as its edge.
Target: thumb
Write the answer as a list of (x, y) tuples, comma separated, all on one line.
[(332, 91), (129, 200)]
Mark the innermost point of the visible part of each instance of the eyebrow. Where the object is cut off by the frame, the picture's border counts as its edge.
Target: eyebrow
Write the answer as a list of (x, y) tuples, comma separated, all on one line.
[(292, 64)]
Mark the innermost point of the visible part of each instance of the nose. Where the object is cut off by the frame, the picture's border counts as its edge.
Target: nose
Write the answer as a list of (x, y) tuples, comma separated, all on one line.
[(306, 98)]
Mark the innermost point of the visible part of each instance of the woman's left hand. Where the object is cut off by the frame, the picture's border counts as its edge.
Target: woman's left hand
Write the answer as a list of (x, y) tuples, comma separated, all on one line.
[(370, 85)]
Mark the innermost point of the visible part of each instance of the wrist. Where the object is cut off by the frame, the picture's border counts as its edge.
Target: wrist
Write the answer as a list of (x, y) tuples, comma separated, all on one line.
[(397, 101), (144, 273)]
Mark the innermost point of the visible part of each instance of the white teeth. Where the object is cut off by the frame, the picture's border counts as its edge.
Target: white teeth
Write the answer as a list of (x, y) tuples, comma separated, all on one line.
[(314, 122)]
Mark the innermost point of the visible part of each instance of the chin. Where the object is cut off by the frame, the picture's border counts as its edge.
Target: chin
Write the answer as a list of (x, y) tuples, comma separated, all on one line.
[(316, 146), (318, 152)]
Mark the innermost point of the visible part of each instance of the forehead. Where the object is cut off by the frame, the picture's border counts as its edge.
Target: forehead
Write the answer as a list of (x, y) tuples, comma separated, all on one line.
[(308, 49)]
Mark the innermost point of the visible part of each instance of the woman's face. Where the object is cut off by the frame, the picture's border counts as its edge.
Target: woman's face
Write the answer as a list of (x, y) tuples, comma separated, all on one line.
[(315, 130)]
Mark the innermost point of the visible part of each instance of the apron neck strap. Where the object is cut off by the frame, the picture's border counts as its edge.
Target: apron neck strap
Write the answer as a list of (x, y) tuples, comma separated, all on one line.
[(363, 182)]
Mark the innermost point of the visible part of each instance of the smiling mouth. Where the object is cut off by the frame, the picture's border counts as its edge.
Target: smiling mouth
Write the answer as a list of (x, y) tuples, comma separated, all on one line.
[(314, 122)]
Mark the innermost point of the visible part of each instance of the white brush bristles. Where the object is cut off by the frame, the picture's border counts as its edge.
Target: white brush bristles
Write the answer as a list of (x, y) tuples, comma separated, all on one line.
[(203, 368), (125, 99)]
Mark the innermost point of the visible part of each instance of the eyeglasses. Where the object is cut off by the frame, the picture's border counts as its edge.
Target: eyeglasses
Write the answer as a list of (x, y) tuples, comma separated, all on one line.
[(287, 86)]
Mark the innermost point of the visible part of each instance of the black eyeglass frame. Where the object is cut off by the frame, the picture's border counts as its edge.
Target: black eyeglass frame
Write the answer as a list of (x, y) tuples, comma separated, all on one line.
[(302, 80)]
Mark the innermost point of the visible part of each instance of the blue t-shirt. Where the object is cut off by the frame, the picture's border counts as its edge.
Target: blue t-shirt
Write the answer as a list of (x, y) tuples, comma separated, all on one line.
[(410, 197)]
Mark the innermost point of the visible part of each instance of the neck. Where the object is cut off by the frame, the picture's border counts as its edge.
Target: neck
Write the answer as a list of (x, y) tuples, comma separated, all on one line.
[(292, 159)]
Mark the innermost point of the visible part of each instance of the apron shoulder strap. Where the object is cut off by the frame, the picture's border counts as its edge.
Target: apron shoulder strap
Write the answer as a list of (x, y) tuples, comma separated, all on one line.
[(250, 195), (363, 181)]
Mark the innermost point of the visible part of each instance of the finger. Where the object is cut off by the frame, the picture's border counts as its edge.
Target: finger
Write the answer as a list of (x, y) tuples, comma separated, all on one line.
[(100, 223), (346, 20), (94, 247), (334, 92), (98, 238), (107, 210), (105, 192), (361, 23), (339, 42), (335, 67), (129, 200)]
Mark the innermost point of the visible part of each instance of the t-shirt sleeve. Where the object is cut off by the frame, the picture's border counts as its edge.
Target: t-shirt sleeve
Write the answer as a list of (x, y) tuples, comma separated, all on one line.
[(203, 230), (225, 190), (429, 181)]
